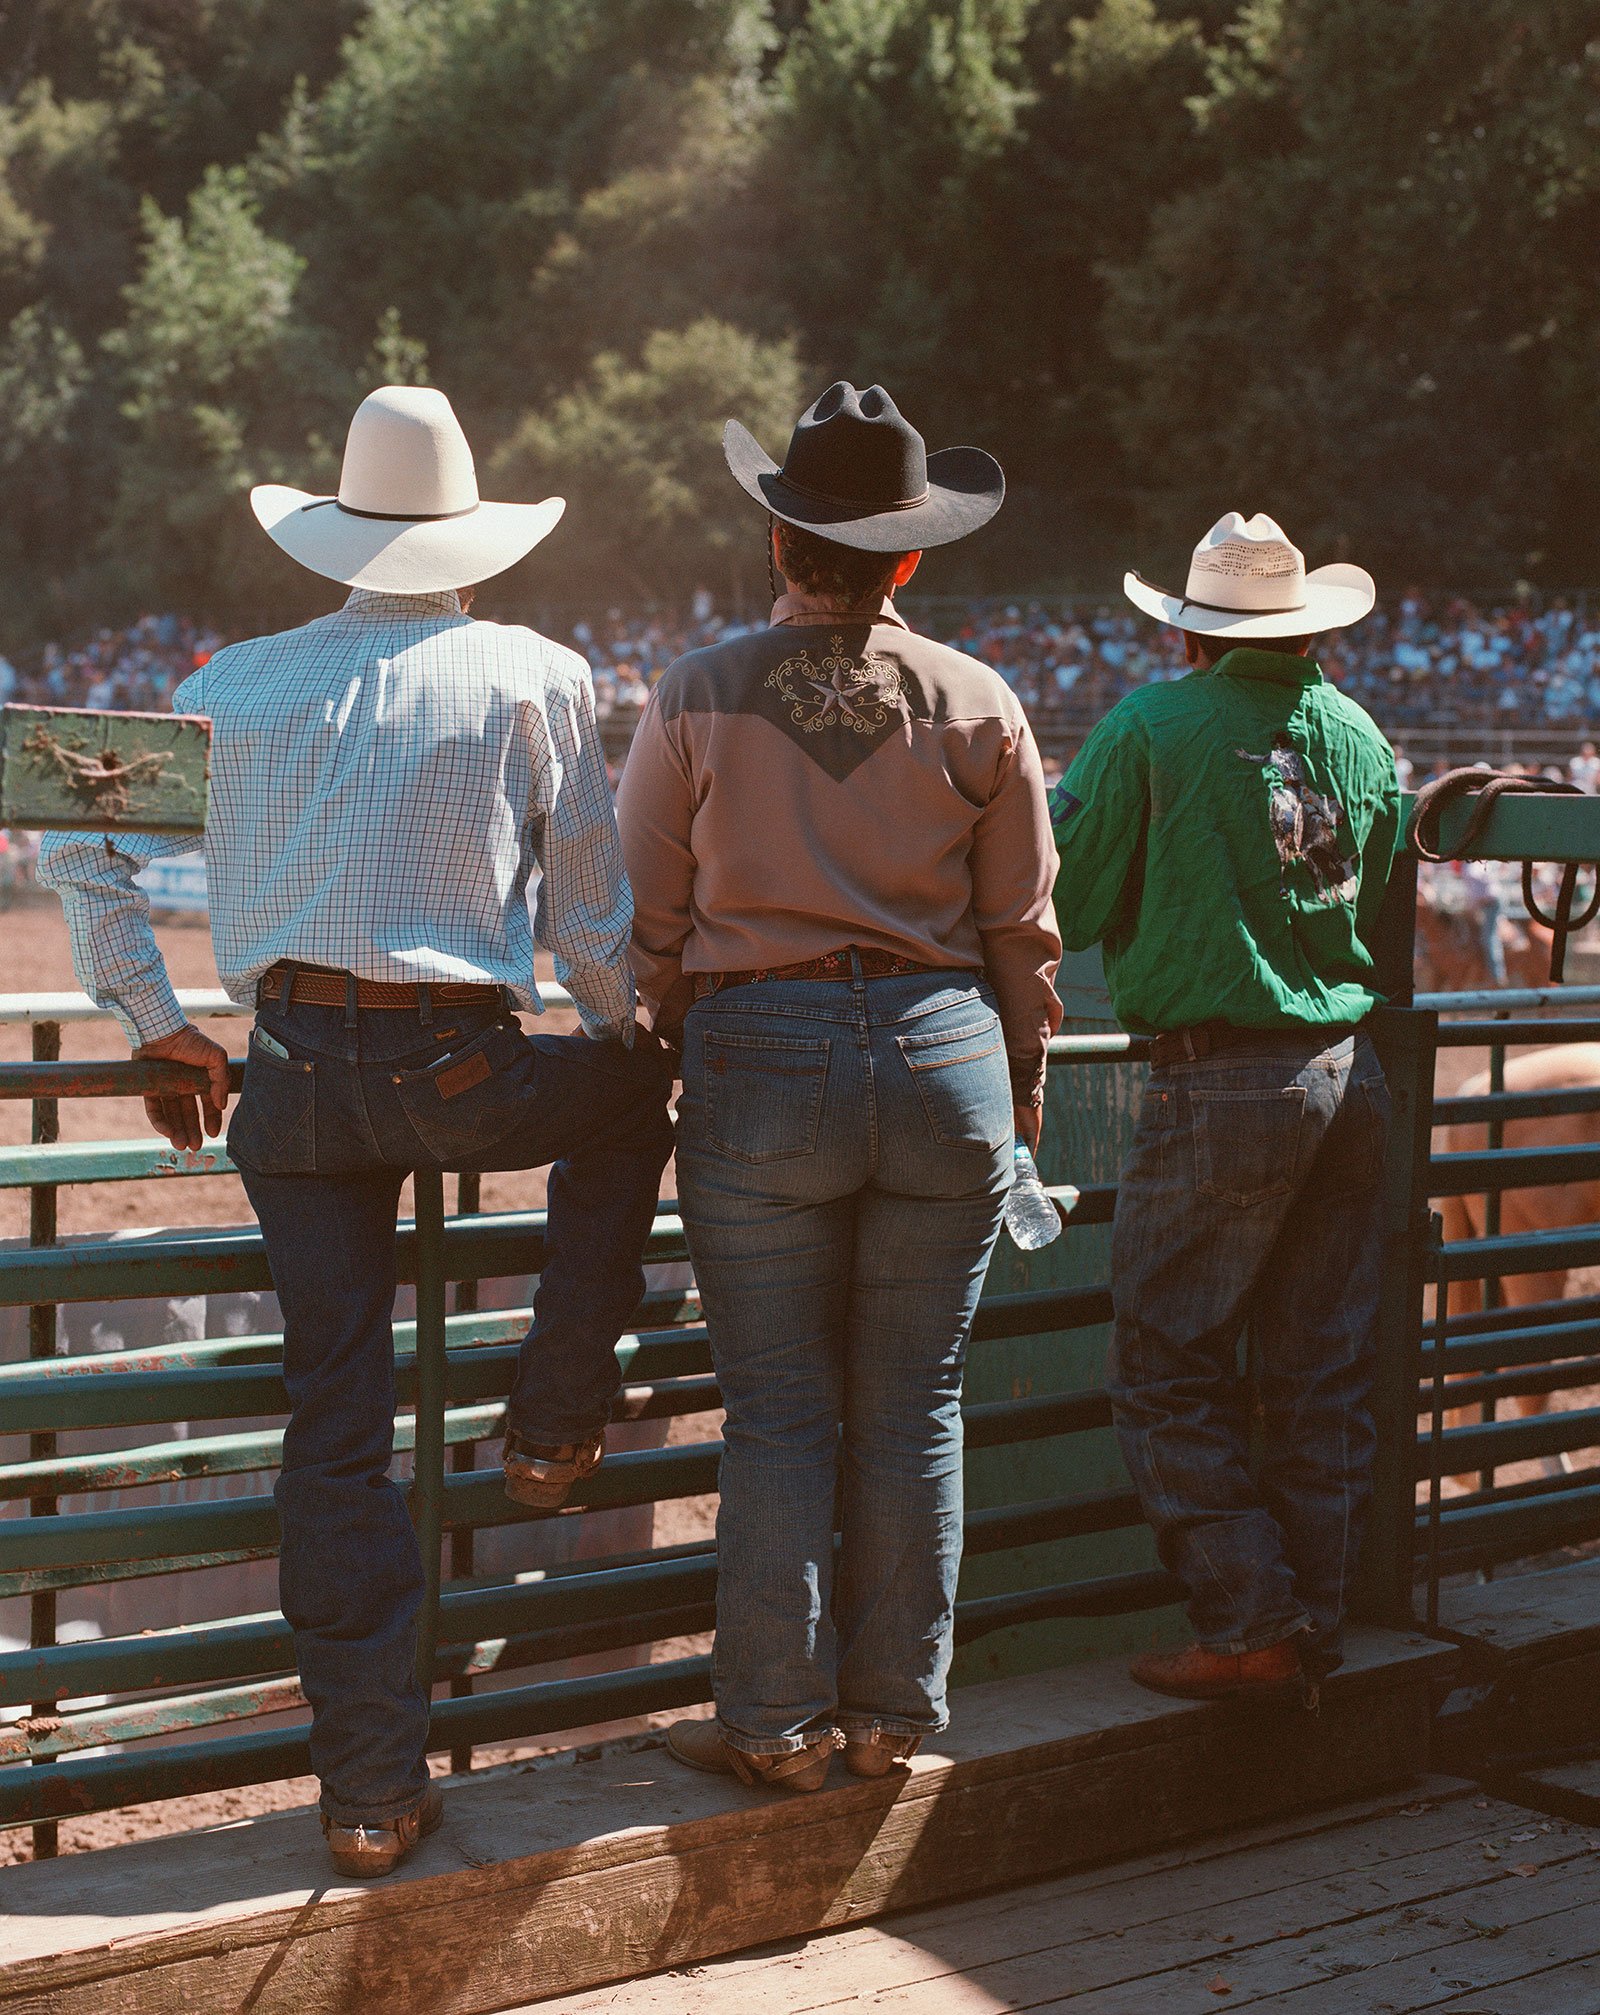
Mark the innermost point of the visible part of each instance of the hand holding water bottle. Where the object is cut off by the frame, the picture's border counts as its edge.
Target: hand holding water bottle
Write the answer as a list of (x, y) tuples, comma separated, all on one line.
[(1030, 1216)]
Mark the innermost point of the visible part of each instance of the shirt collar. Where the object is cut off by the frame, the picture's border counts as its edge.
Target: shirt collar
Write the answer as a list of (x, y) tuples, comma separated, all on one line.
[(787, 609), (1280, 667), (381, 606)]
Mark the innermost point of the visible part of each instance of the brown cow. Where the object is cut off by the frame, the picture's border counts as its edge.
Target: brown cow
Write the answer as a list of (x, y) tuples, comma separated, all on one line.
[(1566, 1067)]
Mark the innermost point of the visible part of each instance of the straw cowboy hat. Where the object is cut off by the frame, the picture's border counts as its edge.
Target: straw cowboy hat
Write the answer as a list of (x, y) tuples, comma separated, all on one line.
[(408, 518), (858, 473), (1247, 580)]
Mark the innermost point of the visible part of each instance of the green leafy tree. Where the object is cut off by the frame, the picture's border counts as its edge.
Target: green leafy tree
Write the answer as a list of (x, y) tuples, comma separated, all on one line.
[(222, 386), (1377, 317), (636, 449)]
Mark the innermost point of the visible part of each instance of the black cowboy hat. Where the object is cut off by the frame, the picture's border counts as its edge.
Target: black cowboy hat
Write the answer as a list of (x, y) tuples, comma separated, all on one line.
[(858, 473)]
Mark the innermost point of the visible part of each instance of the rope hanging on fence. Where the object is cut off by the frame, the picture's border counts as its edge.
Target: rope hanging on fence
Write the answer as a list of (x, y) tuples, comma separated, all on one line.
[(1486, 788)]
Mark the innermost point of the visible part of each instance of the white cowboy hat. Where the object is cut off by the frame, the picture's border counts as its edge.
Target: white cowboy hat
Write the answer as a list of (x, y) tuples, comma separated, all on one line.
[(408, 518), (1247, 580)]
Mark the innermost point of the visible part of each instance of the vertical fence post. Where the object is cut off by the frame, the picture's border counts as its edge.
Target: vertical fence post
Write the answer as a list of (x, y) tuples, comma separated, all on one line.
[(1493, 1289), (42, 1343), (427, 1482), (464, 1457)]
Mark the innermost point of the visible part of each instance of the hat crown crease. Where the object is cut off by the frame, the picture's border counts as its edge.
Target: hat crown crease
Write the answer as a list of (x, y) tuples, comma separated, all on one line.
[(406, 456), (857, 448), (1247, 564)]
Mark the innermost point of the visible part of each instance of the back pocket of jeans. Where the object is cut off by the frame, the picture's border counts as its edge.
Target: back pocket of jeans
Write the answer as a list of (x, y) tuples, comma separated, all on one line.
[(964, 1083), (1247, 1143), (764, 1094), (273, 1130), (458, 1104)]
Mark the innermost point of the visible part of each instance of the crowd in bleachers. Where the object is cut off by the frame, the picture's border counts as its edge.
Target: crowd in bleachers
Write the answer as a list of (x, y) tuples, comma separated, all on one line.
[(135, 669)]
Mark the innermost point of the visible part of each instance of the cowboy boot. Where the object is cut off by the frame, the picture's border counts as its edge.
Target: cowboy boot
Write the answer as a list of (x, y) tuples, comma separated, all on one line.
[(1196, 1673), (700, 1744), (878, 1752), (367, 1851), (543, 1473)]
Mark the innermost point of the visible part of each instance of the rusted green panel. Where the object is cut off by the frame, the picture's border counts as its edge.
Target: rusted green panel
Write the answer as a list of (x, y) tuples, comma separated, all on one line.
[(108, 1161), (76, 770)]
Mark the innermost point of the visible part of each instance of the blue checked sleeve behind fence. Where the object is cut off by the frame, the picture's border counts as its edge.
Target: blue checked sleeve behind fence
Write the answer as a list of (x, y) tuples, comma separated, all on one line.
[(385, 784)]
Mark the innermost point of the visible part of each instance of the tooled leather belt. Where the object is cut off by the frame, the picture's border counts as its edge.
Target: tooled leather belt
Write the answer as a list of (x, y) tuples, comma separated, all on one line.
[(839, 965), (323, 987)]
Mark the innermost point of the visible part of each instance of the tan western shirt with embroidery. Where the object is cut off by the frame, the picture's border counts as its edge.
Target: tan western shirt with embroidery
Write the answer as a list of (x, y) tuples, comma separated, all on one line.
[(838, 780)]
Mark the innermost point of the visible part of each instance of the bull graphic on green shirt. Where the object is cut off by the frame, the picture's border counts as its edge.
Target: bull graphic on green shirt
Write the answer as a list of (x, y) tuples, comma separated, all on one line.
[(1305, 823)]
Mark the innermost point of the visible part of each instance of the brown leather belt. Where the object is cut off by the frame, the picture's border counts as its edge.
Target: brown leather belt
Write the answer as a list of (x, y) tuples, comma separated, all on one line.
[(325, 988), (1193, 1045), (839, 965)]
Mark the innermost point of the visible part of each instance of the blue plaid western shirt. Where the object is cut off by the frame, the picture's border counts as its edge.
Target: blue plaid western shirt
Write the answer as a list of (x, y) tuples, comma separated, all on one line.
[(384, 783)]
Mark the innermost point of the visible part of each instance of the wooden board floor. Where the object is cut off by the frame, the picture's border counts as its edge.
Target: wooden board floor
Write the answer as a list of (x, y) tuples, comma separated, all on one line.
[(1441, 1900)]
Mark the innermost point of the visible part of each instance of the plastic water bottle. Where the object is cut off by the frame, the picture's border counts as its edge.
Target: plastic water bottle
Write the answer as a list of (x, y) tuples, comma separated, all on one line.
[(1031, 1218)]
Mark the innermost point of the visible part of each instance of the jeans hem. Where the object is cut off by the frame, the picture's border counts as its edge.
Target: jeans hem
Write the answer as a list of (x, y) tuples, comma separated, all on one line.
[(767, 1745), (889, 1724), (385, 1813), (545, 1436), (1258, 1640)]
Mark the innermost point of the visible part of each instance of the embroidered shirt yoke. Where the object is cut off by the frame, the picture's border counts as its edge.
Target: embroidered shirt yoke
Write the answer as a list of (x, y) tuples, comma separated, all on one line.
[(833, 782)]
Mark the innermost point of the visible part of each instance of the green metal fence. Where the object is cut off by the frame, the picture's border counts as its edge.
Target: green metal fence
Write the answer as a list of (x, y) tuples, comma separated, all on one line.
[(183, 1700)]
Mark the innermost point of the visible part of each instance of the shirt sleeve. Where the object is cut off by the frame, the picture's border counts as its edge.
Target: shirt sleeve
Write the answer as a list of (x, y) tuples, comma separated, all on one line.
[(1013, 866), (584, 911), (114, 950), (1099, 812), (655, 806)]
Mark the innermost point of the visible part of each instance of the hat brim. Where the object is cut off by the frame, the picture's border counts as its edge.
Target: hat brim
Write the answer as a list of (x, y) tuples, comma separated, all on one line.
[(965, 489), (401, 556), (1336, 596)]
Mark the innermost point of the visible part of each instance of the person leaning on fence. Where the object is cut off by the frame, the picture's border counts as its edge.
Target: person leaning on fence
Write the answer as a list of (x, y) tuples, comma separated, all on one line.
[(1227, 838), (385, 782), (840, 848)]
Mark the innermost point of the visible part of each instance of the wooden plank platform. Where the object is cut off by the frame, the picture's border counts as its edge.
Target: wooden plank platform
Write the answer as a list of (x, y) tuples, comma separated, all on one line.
[(1527, 1616), (552, 1877), (1530, 1646), (1439, 1900)]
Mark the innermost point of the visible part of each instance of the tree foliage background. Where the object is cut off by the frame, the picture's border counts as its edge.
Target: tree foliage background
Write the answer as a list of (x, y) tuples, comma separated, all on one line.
[(1335, 259)]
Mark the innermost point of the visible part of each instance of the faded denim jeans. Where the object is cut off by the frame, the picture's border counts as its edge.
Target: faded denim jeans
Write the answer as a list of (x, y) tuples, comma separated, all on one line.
[(844, 1153), (1250, 1205), (333, 1114)]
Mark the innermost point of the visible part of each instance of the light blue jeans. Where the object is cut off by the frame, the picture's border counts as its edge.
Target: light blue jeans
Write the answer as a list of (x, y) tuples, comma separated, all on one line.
[(844, 1153)]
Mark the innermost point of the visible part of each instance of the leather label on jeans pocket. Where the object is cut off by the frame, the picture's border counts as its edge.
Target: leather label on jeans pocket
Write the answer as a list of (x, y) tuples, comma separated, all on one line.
[(463, 1076)]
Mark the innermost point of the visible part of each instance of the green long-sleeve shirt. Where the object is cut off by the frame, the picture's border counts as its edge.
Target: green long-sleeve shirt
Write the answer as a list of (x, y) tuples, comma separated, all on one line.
[(1227, 838)]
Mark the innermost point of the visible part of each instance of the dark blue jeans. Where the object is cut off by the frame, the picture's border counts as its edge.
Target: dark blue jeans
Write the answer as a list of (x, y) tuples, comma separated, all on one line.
[(844, 1153), (324, 1135), (1250, 1205)]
